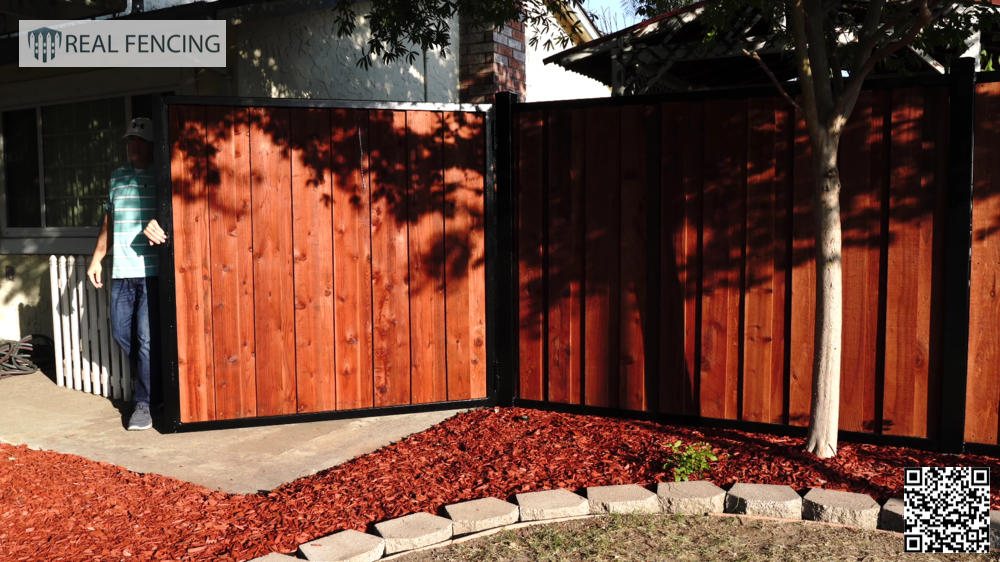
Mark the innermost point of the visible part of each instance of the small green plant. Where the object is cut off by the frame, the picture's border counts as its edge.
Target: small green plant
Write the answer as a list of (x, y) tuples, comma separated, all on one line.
[(692, 460)]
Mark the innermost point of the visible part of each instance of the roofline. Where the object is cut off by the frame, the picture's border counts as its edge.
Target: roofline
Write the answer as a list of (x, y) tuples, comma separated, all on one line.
[(628, 30)]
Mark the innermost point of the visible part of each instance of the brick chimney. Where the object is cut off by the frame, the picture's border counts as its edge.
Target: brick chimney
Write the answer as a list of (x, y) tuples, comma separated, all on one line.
[(490, 61)]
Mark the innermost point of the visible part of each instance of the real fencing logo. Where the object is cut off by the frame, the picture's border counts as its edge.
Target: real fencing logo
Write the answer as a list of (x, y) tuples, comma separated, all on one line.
[(122, 43), (43, 42)]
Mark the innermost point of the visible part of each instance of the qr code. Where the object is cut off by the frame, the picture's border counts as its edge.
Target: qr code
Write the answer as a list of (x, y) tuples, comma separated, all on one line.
[(946, 509)]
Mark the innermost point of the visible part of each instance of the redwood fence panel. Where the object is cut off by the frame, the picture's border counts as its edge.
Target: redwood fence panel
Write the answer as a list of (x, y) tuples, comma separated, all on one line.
[(983, 390), (665, 259), (326, 258)]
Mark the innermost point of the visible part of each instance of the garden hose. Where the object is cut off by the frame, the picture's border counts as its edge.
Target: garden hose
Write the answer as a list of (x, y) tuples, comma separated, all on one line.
[(14, 357)]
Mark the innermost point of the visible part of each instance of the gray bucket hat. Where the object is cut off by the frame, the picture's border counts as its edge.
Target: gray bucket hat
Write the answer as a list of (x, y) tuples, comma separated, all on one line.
[(141, 127)]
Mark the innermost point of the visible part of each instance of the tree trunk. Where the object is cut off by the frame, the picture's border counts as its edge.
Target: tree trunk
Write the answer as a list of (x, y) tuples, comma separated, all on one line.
[(825, 411)]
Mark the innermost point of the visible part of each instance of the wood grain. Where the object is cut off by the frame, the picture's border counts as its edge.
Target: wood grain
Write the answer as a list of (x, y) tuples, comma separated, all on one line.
[(724, 201), (192, 269), (680, 261), (565, 255), (352, 270), (425, 212), (231, 242), (633, 292), (862, 158), (465, 271), (907, 348), (803, 305), (274, 314), (763, 317), (390, 257), (602, 242), (530, 252), (312, 253)]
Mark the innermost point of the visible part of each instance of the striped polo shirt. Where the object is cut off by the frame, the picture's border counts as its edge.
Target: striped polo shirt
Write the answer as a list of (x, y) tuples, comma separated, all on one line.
[(132, 204)]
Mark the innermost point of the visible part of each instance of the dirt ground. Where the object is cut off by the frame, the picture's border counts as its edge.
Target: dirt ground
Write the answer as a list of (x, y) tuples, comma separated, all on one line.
[(678, 537)]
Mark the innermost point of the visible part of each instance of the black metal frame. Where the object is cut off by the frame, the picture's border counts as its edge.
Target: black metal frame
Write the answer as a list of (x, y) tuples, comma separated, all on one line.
[(169, 420), (957, 257), (505, 278)]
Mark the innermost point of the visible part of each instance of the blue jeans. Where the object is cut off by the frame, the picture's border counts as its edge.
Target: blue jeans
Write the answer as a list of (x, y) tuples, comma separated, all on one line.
[(133, 324)]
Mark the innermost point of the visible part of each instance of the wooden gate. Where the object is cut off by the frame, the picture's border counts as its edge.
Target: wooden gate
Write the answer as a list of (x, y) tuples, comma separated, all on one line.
[(326, 258)]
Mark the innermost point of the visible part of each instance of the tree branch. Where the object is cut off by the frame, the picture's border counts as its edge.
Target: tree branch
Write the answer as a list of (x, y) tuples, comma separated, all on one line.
[(774, 79), (868, 36), (846, 101), (797, 17), (818, 57)]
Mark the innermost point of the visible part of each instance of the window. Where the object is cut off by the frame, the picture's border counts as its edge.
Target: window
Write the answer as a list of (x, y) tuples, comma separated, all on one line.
[(57, 161)]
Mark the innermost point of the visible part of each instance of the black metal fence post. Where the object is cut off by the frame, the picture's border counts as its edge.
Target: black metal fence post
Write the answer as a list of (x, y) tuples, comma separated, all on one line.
[(505, 280), (957, 257), (171, 418)]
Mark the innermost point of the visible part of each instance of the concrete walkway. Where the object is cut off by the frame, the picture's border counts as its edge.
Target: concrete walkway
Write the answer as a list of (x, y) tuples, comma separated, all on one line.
[(36, 412)]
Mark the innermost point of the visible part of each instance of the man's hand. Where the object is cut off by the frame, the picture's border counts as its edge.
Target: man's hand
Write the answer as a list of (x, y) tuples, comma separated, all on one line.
[(94, 273), (155, 234)]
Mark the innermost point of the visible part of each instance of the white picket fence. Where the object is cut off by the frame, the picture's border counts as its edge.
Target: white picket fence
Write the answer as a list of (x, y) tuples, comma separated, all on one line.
[(87, 357)]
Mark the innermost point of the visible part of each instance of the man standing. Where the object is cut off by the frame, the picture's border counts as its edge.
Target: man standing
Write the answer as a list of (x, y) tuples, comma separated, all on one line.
[(131, 209)]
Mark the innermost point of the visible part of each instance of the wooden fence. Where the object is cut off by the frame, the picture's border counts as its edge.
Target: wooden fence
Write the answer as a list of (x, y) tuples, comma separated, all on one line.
[(326, 259), (665, 259)]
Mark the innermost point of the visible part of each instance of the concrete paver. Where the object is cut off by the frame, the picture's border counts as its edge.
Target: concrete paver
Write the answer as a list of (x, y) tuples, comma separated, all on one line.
[(767, 500), (274, 557), (846, 508), (36, 412), (413, 531), (345, 546), (691, 498), (551, 504), (891, 516), (478, 515), (627, 498)]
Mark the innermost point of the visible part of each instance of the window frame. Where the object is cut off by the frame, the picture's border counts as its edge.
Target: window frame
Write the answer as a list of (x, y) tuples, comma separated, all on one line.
[(52, 232)]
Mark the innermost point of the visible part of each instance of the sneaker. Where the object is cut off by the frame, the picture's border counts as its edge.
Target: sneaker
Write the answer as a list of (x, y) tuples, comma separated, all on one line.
[(140, 418)]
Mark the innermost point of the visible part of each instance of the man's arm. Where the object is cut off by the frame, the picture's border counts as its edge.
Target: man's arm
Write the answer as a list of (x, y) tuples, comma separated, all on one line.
[(94, 271)]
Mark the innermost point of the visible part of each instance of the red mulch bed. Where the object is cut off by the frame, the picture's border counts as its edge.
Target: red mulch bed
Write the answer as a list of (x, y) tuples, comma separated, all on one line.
[(55, 506)]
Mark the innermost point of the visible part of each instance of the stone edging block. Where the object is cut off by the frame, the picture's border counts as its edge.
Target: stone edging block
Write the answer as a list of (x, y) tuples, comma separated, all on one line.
[(413, 531), (478, 515), (345, 546), (549, 504), (891, 516), (845, 508), (274, 557), (691, 498), (769, 500), (627, 498)]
